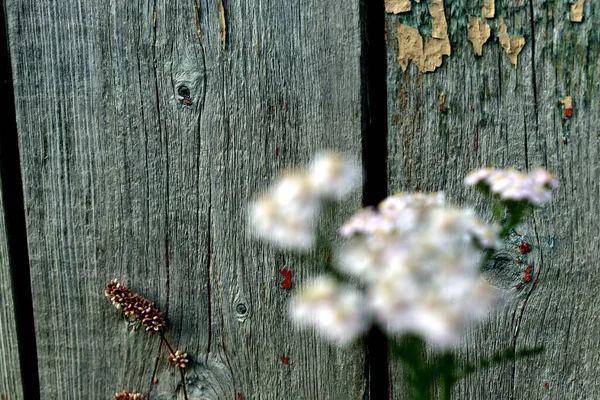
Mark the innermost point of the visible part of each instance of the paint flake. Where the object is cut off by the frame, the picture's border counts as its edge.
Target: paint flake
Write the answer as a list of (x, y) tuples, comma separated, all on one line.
[(223, 25), (567, 101), (287, 278), (577, 11), (429, 55), (527, 277), (479, 32), (441, 102), (489, 8), (512, 45), (397, 6)]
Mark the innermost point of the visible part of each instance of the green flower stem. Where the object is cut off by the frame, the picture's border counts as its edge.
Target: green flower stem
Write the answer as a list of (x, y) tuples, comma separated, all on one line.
[(417, 374)]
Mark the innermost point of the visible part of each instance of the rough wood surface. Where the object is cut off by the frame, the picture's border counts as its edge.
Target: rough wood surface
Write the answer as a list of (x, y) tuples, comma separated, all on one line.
[(10, 375), (497, 115), (145, 128)]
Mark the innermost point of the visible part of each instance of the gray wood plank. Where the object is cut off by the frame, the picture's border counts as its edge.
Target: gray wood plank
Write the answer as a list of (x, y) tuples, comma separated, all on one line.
[(122, 180), (498, 115), (10, 375)]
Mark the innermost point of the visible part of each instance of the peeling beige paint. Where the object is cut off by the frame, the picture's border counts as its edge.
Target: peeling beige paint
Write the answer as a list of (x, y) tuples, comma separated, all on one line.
[(429, 55), (438, 19), (223, 25), (410, 45), (512, 45), (567, 101), (577, 11), (397, 6), (479, 32), (489, 8)]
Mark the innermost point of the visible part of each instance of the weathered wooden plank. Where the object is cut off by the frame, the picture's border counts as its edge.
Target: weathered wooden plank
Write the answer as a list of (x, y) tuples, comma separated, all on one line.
[(145, 128), (497, 115), (10, 376)]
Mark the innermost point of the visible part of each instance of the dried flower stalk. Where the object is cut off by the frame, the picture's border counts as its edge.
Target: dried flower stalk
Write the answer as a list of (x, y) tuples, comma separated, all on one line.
[(124, 395), (179, 359), (135, 307)]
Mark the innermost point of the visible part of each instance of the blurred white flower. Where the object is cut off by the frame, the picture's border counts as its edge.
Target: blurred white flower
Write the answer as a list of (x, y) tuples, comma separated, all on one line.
[(367, 221), (336, 311), (419, 260), (534, 187), (286, 215), (332, 176), (486, 235)]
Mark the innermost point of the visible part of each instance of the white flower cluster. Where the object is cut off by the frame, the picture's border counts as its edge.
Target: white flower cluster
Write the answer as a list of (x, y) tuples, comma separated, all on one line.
[(534, 187), (286, 214), (337, 310), (418, 262)]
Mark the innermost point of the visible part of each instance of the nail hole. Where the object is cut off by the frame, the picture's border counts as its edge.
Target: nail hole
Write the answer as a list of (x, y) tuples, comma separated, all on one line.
[(183, 91)]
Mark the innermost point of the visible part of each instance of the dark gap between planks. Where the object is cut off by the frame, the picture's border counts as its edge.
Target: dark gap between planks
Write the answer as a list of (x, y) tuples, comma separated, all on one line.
[(374, 160), (14, 218)]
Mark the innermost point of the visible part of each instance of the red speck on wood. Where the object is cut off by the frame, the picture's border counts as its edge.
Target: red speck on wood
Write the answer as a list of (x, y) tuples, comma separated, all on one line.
[(240, 396), (328, 259), (287, 278), (568, 112), (527, 277), (524, 247), (276, 151), (546, 385), (285, 360), (518, 285), (564, 141), (155, 381)]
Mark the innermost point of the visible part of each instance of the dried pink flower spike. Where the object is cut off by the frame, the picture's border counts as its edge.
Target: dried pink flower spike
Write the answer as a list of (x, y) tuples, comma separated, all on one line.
[(136, 307), (179, 359), (118, 293), (124, 395)]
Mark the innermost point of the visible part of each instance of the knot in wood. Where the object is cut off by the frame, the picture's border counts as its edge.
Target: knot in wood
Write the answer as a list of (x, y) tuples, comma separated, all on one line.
[(241, 309)]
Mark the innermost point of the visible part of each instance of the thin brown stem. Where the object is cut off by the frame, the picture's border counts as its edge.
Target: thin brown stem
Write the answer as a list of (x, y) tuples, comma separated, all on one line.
[(165, 341), (183, 383)]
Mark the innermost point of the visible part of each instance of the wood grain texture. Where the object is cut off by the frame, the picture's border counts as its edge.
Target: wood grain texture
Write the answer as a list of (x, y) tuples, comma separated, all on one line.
[(123, 180), (498, 115), (10, 374)]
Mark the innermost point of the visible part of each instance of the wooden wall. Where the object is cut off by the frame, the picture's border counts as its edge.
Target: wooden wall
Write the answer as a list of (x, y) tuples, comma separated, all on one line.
[(145, 127), (498, 114), (10, 374), (123, 181)]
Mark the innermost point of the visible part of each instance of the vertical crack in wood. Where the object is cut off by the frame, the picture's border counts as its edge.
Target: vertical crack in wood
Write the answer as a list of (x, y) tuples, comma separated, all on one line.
[(225, 351), (534, 80), (15, 223), (208, 267), (155, 369), (538, 269), (374, 158), (209, 217)]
